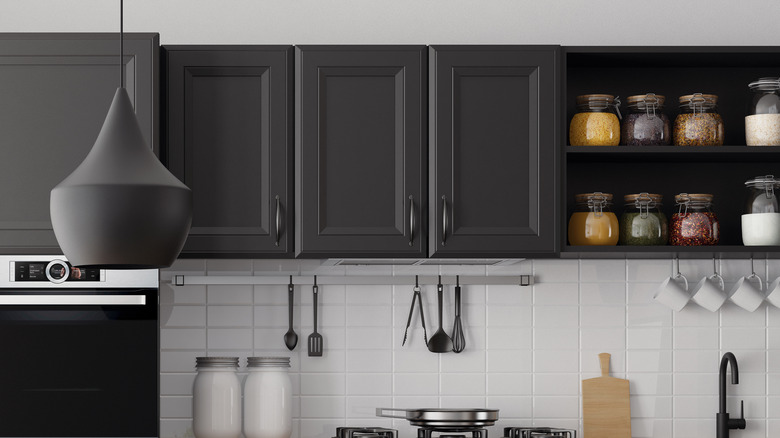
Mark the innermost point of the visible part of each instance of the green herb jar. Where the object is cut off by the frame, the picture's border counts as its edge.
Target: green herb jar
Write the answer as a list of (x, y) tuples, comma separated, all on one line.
[(642, 222)]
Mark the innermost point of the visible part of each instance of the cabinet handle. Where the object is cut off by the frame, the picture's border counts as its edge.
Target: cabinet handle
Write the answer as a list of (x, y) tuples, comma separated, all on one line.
[(411, 220), (444, 219), (278, 220)]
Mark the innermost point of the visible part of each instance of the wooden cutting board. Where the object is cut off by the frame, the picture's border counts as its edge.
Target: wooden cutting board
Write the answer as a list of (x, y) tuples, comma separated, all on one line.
[(606, 409)]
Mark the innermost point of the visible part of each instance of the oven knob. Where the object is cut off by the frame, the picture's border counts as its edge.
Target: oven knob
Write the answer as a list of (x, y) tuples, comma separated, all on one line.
[(57, 271)]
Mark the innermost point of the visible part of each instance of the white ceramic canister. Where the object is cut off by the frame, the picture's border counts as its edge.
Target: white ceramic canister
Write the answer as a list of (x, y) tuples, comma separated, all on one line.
[(216, 398), (268, 398)]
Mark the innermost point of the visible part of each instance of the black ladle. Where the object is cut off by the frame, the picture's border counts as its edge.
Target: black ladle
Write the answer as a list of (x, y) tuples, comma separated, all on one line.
[(290, 338)]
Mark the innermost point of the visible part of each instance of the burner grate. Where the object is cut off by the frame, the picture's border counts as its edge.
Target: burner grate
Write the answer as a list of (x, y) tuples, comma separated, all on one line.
[(538, 432), (452, 432), (365, 432)]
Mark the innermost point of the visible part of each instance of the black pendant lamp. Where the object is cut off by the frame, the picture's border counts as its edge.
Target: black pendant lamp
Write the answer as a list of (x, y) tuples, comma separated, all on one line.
[(121, 208)]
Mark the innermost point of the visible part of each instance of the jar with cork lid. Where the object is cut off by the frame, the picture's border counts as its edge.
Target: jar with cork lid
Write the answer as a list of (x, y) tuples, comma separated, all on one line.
[(694, 223), (593, 222), (646, 123), (698, 123), (597, 121), (642, 222)]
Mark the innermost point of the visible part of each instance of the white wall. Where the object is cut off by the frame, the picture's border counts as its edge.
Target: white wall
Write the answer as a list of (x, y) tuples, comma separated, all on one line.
[(527, 348), (568, 22)]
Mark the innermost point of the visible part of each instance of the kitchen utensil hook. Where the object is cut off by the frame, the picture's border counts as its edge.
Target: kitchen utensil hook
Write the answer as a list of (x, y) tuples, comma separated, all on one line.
[(676, 267)]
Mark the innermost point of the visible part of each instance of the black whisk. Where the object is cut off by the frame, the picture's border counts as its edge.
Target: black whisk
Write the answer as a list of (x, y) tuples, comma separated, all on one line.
[(458, 341)]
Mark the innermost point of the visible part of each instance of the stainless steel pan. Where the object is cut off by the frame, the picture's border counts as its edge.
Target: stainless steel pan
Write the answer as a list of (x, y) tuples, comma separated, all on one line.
[(440, 417)]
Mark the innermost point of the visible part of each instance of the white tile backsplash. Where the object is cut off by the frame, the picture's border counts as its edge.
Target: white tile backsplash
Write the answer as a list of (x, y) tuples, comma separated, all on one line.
[(527, 348)]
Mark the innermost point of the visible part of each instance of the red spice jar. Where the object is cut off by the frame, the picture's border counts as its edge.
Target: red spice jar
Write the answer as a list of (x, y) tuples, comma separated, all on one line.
[(694, 223)]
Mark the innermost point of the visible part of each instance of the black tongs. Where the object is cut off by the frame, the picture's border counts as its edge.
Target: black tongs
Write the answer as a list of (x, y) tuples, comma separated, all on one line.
[(418, 298)]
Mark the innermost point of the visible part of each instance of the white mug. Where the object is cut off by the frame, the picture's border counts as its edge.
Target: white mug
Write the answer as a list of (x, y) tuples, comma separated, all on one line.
[(745, 294), (672, 294), (709, 293), (773, 293)]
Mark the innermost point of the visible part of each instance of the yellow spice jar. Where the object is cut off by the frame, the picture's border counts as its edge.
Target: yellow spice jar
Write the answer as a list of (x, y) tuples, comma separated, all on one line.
[(592, 222), (596, 122)]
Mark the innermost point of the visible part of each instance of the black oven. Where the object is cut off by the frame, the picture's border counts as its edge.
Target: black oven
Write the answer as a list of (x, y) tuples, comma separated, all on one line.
[(79, 352)]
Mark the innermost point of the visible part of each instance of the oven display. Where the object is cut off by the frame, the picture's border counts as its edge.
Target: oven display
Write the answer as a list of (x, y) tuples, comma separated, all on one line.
[(36, 271)]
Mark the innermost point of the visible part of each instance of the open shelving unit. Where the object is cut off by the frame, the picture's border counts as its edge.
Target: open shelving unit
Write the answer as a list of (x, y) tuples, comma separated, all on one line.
[(669, 170)]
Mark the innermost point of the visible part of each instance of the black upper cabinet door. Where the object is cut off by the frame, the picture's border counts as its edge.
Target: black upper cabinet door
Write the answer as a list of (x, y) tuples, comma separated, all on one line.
[(55, 91), (229, 138), (360, 155), (494, 142)]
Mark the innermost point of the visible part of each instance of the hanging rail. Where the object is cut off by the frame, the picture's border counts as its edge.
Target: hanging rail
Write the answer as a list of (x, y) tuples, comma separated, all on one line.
[(183, 280)]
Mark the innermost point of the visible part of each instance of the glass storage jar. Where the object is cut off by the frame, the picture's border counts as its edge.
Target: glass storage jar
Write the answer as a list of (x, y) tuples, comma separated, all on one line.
[(698, 123), (593, 222), (761, 220), (642, 222), (596, 122), (694, 223), (216, 398), (646, 124), (762, 124), (268, 398)]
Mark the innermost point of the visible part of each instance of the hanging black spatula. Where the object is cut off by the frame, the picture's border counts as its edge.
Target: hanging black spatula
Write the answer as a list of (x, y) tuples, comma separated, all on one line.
[(440, 342), (315, 339)]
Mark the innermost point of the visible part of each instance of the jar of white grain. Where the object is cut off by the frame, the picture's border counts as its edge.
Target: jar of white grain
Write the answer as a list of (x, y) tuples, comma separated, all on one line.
[(762, 124)]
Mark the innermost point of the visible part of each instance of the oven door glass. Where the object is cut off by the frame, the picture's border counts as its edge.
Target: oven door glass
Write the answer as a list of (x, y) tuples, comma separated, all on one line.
[(79, 363)]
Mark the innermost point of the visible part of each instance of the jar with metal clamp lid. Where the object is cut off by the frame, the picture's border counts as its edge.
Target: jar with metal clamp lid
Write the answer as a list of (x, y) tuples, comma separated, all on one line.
[(646, 124), (698, 123), (694, 223), (268, 398), (642, 222), (216, 398), (761, 220), (596, 122), (593, 222), (762, 124)]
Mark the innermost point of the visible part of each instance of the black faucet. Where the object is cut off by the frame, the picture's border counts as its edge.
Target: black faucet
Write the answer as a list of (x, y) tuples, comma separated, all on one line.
[(724, 424)]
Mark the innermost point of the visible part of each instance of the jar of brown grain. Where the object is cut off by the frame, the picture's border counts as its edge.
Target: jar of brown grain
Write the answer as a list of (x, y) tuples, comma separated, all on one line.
[(698, 123)]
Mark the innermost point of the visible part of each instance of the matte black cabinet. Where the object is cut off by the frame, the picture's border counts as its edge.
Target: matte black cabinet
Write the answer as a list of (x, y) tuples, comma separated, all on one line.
[(56, 90), (229, 138), (493, 148), (360, 151)]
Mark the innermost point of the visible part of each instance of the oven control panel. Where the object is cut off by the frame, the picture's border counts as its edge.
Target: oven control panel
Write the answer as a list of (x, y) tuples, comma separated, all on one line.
[(55, 271)]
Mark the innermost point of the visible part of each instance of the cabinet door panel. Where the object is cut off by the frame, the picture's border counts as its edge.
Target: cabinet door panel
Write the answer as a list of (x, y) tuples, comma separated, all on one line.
[(230, 141), (56, 90), (494, 143), (360, 150)]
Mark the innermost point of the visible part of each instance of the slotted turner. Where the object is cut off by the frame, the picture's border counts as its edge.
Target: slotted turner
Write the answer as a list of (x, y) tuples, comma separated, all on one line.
[(315, 339)]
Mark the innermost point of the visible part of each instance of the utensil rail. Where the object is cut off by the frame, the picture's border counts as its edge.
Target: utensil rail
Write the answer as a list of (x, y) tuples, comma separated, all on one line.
[(519, 280)]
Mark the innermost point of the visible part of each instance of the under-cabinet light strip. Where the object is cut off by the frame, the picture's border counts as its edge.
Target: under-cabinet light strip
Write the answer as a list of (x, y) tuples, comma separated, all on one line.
[(519, 280)]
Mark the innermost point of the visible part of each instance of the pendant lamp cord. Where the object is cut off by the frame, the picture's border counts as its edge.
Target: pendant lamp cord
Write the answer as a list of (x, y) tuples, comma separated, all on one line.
[(121, 44)]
